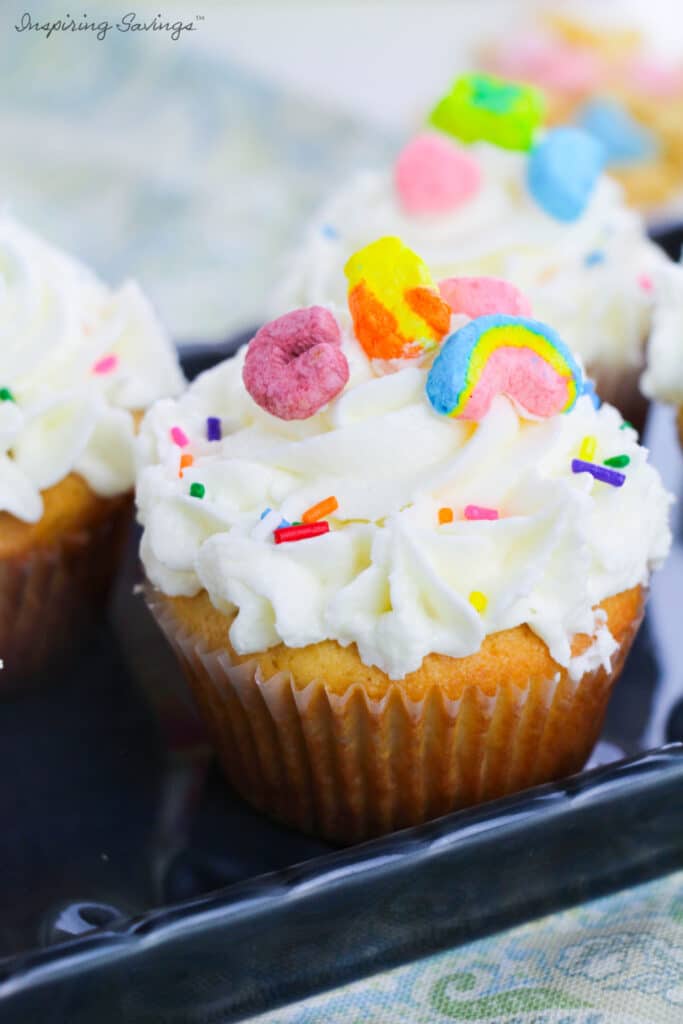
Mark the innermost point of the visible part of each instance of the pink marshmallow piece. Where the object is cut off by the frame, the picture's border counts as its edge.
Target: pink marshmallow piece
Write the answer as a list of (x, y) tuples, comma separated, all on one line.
[(482, 296), (433, 175), (107, 364), (549, 64), (179, 437), (295, 364), (655, 78)]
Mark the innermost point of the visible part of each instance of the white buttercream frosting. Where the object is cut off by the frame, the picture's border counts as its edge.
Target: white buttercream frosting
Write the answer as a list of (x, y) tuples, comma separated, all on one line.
[(663, 377), (581, 277), (388, 577), (57, 323)]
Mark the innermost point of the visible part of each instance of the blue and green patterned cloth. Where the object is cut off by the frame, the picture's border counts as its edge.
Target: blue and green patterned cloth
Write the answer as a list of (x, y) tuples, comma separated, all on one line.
[(158, 160), (617, 960), (149, 158)]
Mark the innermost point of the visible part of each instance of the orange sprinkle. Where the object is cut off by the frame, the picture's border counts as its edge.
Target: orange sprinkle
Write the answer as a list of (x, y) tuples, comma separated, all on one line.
[(323, 508), (185, 462), (445, 515)]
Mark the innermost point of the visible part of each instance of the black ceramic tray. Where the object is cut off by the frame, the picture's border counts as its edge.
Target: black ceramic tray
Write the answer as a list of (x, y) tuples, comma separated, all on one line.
[(136, 888)]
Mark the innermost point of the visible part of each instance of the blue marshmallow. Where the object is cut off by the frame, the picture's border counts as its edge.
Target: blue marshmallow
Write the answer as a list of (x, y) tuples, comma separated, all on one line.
[(624, 140), (563, 170)]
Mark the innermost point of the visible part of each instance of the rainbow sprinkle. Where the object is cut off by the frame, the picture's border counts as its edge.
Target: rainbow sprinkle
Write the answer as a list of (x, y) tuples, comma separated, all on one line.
[(197, 490), (645, 282), (478, 601), (480, 512), (319, 511), (627, 425), (588, 448), (6, 395), (617, 461), (286, 534), (445, 516), (185, 462), (179, 437), (106, 364), (606, 476), (213, 428), (265, 512)]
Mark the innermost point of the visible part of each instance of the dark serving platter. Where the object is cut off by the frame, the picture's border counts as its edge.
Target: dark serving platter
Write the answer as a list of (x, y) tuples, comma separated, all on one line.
[(137, 888)]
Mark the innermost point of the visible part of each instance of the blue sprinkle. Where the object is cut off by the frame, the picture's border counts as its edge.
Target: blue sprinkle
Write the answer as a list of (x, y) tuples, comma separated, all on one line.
[(624, 140), (594, 257), (329, 231), (563, 170), (589, 389), (283, 524), (265, 513)]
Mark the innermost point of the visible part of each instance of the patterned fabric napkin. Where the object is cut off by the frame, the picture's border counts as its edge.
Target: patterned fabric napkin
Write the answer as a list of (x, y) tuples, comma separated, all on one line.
[(617, 960)]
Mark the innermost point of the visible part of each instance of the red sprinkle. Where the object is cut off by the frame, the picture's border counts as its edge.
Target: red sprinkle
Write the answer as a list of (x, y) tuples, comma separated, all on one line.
[(302, 532), (106, 364), (479, 512), (645, 282), (180, 437)]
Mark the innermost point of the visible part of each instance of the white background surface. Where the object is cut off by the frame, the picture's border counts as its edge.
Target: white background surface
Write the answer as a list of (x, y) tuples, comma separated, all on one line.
[(387, 61)]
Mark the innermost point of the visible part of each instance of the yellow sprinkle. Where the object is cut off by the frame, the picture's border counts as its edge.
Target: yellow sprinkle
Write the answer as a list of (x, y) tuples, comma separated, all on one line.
[(479, 601), (588, 448)]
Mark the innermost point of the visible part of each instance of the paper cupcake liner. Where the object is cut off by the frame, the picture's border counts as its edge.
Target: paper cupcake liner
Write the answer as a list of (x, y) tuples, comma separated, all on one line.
[(349, 767), (620, 387), (49, 595)]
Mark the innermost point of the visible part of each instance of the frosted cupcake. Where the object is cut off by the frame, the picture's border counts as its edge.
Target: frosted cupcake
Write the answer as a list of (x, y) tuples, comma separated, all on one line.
[(543, 218), (78, 364), (400, 553)]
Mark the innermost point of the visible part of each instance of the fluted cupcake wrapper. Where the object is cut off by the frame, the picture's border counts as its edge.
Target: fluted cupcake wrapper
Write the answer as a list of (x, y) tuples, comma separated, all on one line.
[(349, 767), (48, 596)]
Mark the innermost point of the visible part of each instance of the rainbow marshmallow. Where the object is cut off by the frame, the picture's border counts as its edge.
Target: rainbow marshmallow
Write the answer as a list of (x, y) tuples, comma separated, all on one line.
[(497, 354)]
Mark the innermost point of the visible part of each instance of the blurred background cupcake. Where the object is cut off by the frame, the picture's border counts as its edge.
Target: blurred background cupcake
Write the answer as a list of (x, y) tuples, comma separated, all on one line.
[(79, 364), (663, 376), (609, 80), (488, 191), (400, 581)]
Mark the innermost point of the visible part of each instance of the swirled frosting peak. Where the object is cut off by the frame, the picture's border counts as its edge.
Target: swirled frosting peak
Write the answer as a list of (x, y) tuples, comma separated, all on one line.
[(76, 361), (437, 531)]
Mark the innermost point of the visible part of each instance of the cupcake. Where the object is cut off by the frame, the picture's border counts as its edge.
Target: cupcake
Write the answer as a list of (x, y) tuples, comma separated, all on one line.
[(609, 81), (79, 364), (663, 376), (399, 552), (543, 218)]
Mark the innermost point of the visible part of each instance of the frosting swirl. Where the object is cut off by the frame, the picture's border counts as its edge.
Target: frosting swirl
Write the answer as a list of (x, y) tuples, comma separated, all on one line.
[(663, 377), (581, 277), (388, 576), (76, 360)]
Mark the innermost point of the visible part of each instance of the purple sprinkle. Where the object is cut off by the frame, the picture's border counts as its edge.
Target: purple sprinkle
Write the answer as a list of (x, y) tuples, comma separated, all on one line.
[(607, 476), (213, 428)]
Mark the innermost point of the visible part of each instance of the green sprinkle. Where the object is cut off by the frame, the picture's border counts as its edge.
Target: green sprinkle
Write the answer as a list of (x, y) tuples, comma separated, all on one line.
[(6, 395), (627, 425), (617, 461), (298, 523), (197, 490)]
